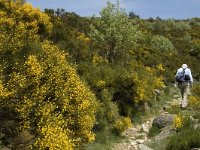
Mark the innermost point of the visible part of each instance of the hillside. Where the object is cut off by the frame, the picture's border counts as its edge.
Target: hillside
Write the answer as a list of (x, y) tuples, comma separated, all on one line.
[(71, 82), (164, 126)]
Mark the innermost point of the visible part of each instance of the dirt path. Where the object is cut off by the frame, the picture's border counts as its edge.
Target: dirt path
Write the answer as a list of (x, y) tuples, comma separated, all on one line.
[(136, 137)]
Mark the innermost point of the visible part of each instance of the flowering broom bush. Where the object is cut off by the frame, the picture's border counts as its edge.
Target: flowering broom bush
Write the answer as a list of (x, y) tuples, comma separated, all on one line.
[(39, 85)]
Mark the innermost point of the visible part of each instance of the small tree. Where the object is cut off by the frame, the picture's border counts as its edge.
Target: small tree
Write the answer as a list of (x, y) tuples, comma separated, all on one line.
[(115, 33)]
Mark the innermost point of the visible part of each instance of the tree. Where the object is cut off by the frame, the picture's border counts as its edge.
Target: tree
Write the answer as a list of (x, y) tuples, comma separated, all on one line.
[(49, 11), (115, 33), (59, 12), (133, 15)]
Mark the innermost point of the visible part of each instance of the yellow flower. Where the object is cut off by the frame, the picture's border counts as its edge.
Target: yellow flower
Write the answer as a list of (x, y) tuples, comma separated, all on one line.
[(160, 67), (178, 122)]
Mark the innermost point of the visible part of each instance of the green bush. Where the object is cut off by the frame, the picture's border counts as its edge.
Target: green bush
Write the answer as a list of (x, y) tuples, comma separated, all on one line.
[(194, 99), (185, 140), (107, 113), (174, 109), (196, 89), (122, 124)]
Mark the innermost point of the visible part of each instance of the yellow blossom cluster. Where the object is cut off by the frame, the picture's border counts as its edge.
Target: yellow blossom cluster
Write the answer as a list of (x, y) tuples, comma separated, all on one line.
[(158, 82), (20, 23), (4, 93), (34, 67), (178, 122), (23, 15), (101, 83), (146, 81), (160, 67), (83, 38), (122, 124), (194, 100), (99, 59), (52, 131)]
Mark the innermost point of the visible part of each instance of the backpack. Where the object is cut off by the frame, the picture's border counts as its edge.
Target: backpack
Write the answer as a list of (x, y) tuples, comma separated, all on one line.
[(180, 77)]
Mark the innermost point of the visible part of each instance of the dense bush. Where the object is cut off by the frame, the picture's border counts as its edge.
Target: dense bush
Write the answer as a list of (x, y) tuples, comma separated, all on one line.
[(122, 124), (38, 85)]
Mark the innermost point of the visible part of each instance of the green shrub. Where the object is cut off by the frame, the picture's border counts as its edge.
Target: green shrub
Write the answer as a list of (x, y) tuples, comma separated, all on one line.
[(173, 109), (181, 123), (187, 123), (107, 113), (196, 89), (122, 124), (184, 140), (104, 141), (194, 99), (154, 130)]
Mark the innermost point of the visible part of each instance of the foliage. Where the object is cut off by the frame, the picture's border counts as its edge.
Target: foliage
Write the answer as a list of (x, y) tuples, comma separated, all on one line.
[(39, 85), (133, 15), (24, 16), (122, 124), (187, 139), (161, 43), (161, 26), (70, 33), (154, 130), (102, 77), (104, 140), (146, 82), (108, 112), (114, 34), (195, 51), (194, 99), (178, 122), (48, 91)]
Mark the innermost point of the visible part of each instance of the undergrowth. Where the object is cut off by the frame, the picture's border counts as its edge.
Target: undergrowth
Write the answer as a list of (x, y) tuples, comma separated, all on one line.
[(184, 140)]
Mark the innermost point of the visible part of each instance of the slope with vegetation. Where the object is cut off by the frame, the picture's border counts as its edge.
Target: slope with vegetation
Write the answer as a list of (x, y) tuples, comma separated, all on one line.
[(67, 80)]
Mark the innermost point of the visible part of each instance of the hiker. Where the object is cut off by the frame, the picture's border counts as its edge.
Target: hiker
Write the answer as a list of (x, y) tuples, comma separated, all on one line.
[(184, 80)]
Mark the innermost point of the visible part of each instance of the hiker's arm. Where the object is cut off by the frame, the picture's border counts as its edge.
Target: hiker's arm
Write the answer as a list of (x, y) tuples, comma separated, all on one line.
[(175, 82), (191, 78)]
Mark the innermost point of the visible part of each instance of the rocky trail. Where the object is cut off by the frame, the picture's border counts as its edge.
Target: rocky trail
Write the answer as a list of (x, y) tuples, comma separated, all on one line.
[(136, 138)]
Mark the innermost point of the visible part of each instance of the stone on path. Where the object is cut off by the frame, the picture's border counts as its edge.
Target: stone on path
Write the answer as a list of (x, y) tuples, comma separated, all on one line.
[(163, 120), (147, 125), (144, 147)]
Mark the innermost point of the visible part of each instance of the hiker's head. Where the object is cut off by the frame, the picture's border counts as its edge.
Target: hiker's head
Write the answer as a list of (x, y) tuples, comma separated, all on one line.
[(184, 66)]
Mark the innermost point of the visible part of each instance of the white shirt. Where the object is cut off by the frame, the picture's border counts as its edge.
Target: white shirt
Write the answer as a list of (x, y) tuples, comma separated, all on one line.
[(187, 72)]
